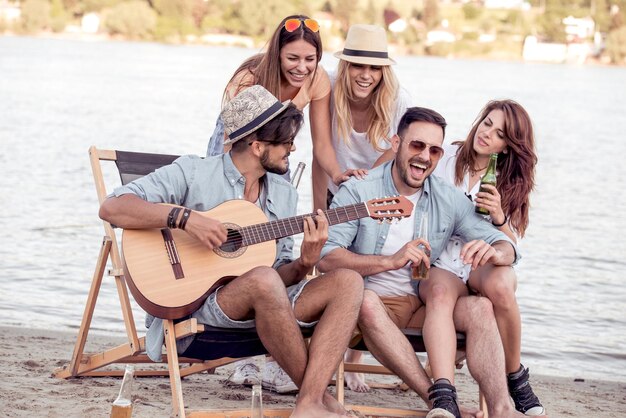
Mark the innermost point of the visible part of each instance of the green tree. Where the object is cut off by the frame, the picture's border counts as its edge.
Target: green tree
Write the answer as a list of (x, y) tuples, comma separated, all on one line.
[(372, 14), (343, 12), (601, 15), (35, 15), (262, 21), (471, 11), (133, 19), (58, 16), (431, 13), (616, 45)]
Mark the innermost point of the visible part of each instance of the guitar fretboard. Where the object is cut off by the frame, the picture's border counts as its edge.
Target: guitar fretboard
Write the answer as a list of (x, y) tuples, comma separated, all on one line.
[(254, 234)]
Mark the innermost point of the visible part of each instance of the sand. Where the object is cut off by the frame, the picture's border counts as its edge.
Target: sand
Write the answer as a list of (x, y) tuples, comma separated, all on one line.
[(27, 387)]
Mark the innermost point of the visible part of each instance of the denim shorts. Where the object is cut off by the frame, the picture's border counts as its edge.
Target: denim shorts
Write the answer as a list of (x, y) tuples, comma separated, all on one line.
[(211, 314)]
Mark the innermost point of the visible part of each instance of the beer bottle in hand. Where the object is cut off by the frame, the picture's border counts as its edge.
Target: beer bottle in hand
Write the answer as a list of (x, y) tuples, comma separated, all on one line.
[(488, 178), (420, 271)]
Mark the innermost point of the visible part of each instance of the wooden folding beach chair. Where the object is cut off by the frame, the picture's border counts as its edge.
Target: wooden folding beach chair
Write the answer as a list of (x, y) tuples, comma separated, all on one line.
[(226, 345)]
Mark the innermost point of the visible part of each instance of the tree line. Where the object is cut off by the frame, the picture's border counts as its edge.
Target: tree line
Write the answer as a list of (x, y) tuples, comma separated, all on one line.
[(179, 20)]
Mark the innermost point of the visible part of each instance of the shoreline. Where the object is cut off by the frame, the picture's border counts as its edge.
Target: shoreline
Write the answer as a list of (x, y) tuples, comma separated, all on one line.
[(238, 41), (31, 355)]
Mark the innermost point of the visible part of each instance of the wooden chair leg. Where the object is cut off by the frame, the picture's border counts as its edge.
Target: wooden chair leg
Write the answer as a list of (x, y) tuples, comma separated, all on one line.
[(178, 405), (90, 305), (339, 382), (482, 403)]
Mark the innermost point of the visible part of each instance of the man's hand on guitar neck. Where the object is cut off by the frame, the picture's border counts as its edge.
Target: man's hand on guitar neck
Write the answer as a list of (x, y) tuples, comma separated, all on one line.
[(315, 236), (209, 231)]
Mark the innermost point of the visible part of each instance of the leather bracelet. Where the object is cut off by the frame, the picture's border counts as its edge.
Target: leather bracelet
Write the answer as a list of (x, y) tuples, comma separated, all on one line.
[(183, 220), (171, 218), (506, 218)]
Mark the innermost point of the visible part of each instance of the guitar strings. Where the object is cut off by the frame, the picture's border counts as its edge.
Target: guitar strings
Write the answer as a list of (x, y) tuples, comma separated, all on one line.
[(238, 236)]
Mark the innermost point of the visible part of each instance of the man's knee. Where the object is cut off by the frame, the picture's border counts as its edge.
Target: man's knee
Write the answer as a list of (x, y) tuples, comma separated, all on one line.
[(265, 280), (473, 312), (372, 309)]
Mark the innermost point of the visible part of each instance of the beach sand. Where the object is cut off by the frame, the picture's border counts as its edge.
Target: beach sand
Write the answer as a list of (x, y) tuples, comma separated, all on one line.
[(27, 387)]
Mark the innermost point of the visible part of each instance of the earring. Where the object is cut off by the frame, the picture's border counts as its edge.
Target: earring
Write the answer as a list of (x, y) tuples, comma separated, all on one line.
[(505, 151)]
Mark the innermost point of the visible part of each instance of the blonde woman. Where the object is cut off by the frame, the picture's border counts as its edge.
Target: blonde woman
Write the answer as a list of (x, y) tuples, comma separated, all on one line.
[(367, 104)]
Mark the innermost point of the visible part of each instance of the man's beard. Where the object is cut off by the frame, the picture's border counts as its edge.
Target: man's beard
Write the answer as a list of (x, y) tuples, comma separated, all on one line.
[(270, 167)]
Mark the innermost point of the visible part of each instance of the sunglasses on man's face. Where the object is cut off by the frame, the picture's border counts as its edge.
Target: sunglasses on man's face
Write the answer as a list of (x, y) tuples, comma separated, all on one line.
[(416, 147), (293, 24)]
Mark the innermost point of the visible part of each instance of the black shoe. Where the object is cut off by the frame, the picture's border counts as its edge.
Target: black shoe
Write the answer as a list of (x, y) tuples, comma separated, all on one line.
[(523, 396), (443, 396)]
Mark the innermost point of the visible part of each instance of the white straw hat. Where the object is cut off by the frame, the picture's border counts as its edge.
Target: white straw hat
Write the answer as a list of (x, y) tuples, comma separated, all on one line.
[(248, 111), (366, 44)]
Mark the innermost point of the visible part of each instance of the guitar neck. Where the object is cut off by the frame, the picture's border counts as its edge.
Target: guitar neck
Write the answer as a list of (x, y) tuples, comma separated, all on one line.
[(254, 234)]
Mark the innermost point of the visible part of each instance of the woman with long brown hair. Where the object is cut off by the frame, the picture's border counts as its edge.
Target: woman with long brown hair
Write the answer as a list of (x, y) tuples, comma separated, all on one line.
[(503, 127)]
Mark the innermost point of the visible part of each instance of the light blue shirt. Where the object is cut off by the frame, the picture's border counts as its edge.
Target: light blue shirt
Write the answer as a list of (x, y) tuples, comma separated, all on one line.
[(202, 184), (449, 213)]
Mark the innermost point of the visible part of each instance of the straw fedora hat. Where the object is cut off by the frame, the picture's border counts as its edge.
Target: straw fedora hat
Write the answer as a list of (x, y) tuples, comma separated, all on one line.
[(365, 44), (248, 111)]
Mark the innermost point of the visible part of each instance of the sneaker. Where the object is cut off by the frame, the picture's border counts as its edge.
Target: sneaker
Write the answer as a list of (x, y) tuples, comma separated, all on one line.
[(443, 396), (276, 379), (523, 396), (246, 373)]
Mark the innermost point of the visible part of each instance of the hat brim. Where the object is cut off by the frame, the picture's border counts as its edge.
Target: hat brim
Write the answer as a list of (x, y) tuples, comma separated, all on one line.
[(258, 123), (364, 60)]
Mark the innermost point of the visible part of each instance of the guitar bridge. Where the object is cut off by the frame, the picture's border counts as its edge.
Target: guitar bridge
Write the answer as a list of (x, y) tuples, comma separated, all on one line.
[(172, 253)]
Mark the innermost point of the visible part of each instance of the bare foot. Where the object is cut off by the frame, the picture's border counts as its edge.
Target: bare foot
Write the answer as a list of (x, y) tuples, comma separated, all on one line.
[(333, 404), (314, 410), (467, 412), (356, 382)]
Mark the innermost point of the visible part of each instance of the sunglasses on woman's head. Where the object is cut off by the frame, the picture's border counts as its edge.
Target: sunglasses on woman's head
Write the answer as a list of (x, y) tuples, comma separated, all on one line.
[(416, 147), (293, 24)]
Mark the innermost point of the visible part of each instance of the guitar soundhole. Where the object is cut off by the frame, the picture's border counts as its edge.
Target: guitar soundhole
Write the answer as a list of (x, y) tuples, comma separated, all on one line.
[(233, 246)]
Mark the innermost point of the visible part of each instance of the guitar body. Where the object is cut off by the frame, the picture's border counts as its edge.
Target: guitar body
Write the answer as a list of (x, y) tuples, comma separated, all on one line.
[(152, 280)]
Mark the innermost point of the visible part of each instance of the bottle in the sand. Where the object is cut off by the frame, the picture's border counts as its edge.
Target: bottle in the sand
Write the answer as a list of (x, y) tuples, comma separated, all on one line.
[(420, 271), (123, 406), (488, 178), (257, 402)]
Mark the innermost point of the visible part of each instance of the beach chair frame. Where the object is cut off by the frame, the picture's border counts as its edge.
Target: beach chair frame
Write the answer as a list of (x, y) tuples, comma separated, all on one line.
[(132, 165)]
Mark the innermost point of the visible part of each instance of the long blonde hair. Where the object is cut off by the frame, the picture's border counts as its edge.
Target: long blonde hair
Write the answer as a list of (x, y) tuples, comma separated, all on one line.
[(382, 107)]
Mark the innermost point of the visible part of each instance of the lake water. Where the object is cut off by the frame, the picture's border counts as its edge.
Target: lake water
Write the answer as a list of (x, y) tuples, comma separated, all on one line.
[(58, 97)]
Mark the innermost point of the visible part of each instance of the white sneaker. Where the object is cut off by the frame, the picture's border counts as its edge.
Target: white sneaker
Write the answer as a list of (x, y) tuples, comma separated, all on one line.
[(246, 373), (276, 380)]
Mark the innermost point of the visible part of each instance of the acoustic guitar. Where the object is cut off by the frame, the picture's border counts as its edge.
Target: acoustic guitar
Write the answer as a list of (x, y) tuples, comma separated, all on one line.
[(170, 273)]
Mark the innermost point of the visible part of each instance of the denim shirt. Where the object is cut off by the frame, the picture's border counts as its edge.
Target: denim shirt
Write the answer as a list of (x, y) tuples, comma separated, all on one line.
[(449, 213), (216, 142), (202, 184)]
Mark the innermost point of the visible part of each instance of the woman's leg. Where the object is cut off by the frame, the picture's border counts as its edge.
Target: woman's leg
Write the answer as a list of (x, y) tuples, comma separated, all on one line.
[(440, 293)]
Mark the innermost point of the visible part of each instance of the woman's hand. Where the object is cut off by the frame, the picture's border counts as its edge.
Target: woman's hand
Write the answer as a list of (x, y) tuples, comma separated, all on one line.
[(359, 173), (491, 200)]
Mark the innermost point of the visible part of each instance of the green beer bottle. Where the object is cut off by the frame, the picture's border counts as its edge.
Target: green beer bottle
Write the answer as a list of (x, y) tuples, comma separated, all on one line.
[(488, 178)]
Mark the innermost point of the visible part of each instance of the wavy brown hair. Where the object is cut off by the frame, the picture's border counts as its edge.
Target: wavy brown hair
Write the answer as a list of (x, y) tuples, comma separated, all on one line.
[(265, 67), (516, 167)]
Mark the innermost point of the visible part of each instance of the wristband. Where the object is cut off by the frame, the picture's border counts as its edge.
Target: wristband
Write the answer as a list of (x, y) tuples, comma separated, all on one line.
[(183, 220), (506, 218), (171, 218)]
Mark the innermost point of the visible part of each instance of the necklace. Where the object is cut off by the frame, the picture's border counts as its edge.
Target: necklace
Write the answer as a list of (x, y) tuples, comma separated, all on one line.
[(474, 171)]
